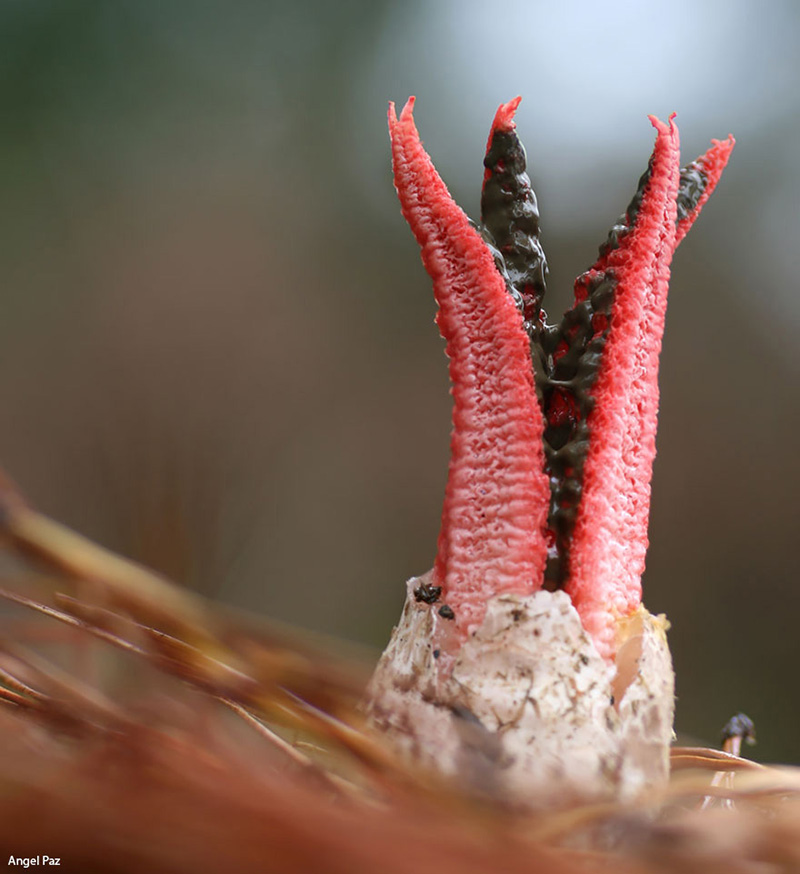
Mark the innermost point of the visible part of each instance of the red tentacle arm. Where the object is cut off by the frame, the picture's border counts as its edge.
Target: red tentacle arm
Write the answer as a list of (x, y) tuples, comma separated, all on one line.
[(711, 165), (492, 538), (610, 536)]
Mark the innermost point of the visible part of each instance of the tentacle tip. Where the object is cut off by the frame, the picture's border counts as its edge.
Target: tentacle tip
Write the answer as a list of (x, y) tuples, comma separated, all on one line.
[(406, 114), (408, 109), (504, 117), (659, 125), (717, 156)]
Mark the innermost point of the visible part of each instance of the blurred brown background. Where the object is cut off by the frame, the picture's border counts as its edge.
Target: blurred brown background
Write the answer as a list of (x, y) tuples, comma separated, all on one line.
[(216, 344)]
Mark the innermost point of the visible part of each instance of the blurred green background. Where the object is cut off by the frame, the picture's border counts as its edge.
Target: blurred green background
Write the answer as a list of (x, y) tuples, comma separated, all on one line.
[(216, 343)]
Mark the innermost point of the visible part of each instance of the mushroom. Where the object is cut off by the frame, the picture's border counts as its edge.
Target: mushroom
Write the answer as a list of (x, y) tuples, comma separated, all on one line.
[(524, 663)]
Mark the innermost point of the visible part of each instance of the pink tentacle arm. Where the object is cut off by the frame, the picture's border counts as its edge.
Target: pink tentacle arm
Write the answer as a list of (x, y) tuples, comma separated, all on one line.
[(609, 542), (492, 537), (610, 536)]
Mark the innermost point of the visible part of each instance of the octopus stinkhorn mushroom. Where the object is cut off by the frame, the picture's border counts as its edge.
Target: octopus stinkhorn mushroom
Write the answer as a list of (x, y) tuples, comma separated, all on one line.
[(524, 662)]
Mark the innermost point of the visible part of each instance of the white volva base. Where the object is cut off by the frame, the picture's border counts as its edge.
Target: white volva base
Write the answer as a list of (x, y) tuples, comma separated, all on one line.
[(527, 709)]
